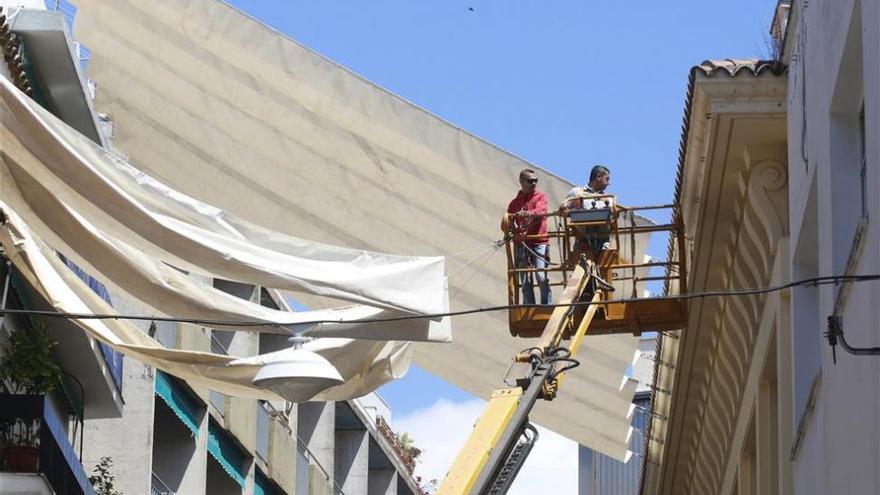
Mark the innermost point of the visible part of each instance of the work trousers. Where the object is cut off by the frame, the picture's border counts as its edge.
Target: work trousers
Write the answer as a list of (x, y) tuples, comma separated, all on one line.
[(534, 256)]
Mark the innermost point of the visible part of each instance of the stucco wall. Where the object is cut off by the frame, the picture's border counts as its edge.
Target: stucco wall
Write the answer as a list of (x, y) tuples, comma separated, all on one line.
[(831, 73)]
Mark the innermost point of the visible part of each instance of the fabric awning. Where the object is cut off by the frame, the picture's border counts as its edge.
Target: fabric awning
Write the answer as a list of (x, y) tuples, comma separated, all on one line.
[(364, 365), (121, 201), (262, 484), (226, 453), (127, 228), (183, 406)]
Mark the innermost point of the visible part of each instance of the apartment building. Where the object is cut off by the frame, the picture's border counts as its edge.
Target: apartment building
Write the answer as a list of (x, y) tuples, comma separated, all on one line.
[(42, 59)]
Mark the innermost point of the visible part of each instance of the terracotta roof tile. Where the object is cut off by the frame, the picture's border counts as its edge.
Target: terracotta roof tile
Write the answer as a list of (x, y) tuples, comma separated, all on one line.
[(734, 66)]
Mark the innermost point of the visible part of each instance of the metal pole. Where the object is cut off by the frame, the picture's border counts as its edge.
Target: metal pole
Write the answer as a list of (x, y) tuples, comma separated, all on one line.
[(5, 293)]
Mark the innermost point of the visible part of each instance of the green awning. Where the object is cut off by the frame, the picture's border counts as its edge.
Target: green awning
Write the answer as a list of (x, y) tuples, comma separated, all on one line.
[(263, 485), (181, 402), (224, 450)]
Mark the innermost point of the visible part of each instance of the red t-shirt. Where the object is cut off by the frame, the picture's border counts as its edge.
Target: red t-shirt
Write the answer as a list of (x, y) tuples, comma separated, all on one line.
[(533, 203)]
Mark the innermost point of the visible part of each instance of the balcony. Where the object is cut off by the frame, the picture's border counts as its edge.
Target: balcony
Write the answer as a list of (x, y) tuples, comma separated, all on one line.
[(97, 373), (58, 464), (158, 487), (178, 415), (219, 345), (54, 60)]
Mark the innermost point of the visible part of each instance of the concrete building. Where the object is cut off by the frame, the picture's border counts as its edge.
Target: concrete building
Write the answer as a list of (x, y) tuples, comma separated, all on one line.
[(40, 56), (193, 440), (778, 182), (163, 435)]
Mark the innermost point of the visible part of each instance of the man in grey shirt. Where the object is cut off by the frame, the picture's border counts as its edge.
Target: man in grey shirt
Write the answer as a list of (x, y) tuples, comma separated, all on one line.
[(600, 179), (595, 238)]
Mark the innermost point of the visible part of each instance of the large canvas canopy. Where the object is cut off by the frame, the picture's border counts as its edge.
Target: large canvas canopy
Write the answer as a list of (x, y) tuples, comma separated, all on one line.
[(129, 229), (363, 365), (230, 112)]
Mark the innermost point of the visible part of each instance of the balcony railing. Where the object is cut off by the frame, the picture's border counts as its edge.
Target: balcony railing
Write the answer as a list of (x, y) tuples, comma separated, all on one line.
[(217, 347), (386, 431), (58, 461), (308, 463), (67, 9), (262, 448), (158, 487), (217, 399)]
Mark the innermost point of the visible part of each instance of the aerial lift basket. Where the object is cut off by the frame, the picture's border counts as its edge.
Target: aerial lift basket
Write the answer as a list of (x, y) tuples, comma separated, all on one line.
[(618, 263)]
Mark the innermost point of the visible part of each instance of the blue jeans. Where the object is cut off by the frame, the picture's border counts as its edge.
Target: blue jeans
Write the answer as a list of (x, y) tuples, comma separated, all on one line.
[(535, 256)]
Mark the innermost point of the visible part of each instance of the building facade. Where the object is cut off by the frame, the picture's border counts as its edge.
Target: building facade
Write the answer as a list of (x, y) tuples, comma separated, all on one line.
[(778, 184), (40, 57)]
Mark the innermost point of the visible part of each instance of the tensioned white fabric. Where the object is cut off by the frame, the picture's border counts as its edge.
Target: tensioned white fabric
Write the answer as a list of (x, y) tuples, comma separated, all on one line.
[(228, 111), (89, 203), (121, 199), (363, 365)]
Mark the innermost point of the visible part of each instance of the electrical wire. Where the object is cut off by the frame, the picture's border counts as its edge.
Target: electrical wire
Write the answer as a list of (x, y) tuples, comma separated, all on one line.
[(809, 282)]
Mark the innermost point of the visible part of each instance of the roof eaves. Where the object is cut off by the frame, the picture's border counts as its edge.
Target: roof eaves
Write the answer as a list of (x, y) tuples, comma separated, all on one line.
[(713, 68), (708, 68)]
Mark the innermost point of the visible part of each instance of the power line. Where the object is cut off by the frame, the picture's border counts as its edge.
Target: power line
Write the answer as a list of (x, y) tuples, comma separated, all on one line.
[(809, 282)]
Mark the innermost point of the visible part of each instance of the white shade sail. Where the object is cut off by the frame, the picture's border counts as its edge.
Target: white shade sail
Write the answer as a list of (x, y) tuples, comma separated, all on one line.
[(78, 204), (363, 365)]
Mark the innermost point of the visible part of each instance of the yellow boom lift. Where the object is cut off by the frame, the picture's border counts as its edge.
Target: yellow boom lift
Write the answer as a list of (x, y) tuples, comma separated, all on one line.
[(503, 436)]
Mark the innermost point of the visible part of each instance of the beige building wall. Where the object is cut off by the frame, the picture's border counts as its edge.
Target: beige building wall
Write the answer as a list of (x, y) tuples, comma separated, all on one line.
[(834, 150)]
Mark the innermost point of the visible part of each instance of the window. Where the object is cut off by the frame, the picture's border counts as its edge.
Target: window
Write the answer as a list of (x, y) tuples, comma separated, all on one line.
[(848, 174), (806, 320)]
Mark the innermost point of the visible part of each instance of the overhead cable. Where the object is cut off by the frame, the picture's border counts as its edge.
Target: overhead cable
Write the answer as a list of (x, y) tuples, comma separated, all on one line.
[(809, 282)]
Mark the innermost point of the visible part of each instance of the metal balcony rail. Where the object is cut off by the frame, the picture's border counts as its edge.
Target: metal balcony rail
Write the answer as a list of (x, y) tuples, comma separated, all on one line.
[(114, 360), (389, 435), (303, 449), (58, 461), (262, 447), (217, 347), (158, 487)]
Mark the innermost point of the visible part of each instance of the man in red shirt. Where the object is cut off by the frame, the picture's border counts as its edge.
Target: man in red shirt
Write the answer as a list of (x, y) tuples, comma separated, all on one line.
[(528, 224)]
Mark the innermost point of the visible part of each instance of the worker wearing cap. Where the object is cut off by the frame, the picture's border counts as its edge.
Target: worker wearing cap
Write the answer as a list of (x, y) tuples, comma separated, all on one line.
[(528, 224)]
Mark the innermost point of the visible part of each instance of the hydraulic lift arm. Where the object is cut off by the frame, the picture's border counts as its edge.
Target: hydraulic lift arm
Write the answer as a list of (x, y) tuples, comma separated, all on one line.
[(503, 437)]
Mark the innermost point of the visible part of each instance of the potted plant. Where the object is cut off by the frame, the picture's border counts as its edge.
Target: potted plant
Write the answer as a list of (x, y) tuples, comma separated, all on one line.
[(26, 367)]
